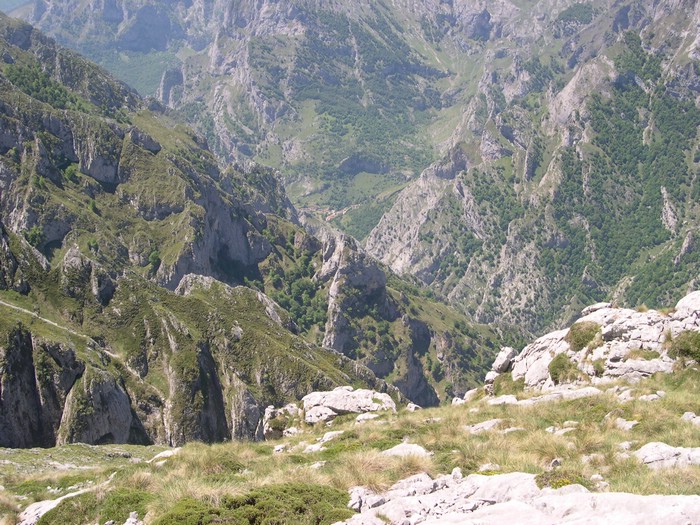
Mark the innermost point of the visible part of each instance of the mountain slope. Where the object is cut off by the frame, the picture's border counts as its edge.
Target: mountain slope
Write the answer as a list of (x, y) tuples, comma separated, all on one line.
[(582, 189), (134, 270)]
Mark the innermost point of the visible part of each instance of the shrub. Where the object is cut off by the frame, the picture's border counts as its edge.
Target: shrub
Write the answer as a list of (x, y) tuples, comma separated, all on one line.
[(581, 334), (686, 344), (288, 503), (599, 367), (561, 369), (35, 235)]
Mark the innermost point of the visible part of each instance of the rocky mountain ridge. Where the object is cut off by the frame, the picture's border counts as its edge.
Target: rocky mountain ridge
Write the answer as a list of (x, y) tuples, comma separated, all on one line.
[(150, 295), (352, 101)]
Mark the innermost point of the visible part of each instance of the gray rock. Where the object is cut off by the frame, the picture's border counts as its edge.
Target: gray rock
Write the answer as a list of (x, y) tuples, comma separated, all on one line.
[(484, 426), (323, 406), (504, 400), (623, 424), (690, 417), (658, 455), (512, 498), (503, 360)]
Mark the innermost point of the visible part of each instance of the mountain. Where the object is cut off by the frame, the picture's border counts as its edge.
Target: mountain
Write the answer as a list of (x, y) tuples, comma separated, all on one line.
[(579, 182), (150, 295), (559, 137)]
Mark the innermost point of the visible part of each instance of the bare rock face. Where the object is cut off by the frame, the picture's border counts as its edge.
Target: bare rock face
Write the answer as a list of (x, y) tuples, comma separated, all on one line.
[(98, 411), (627, 344), (35, 380), (323, 406)]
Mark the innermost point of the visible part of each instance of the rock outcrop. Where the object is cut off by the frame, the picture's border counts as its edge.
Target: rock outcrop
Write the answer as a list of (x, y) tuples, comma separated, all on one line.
[(606, 343), (510, 498), (324, 406)]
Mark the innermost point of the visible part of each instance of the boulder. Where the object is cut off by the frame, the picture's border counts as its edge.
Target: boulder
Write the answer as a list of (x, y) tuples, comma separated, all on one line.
[(324, 406), (658, 455), (504, 359)]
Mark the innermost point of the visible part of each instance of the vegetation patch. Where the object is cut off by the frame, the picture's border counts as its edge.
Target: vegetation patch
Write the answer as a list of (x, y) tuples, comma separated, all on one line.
[(557, 479), (642, 353), (504, 384), (686, 344), (581, 334), (562, 369), (288, 503)]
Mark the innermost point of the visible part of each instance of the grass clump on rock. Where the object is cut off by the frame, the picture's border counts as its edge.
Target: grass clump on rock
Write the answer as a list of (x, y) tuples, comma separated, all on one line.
[(580, 335), (561, 369)]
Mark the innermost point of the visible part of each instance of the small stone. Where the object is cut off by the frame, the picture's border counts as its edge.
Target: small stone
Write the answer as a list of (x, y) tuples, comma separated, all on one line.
[(317, 465), (407, 449), (412, 407), (556, 462), (489, 467), (291, 431), (456, 473), (596, 477), (484, 426), (623, 424), (280, 448)]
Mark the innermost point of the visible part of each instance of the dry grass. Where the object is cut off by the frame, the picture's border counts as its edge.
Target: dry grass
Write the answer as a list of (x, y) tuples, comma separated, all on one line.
[(209, 472)]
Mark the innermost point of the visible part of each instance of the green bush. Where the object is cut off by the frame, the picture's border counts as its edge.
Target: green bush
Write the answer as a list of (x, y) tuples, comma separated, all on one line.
[(686, 344), (599, 367), (561, 369), (289, 503), (35, 235), (581, 334)]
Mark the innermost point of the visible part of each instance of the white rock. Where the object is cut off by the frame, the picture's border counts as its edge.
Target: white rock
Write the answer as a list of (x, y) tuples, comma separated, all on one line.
[(623, 424), (491, 376), (366, 417), (488, 467), (503, 400), (503, 360), (471, 394), (291, 431), (330, 435), (484, 426), (690, 417), (166, 454), (660, 455), (412, 407), (407, 449), (323, 406)]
